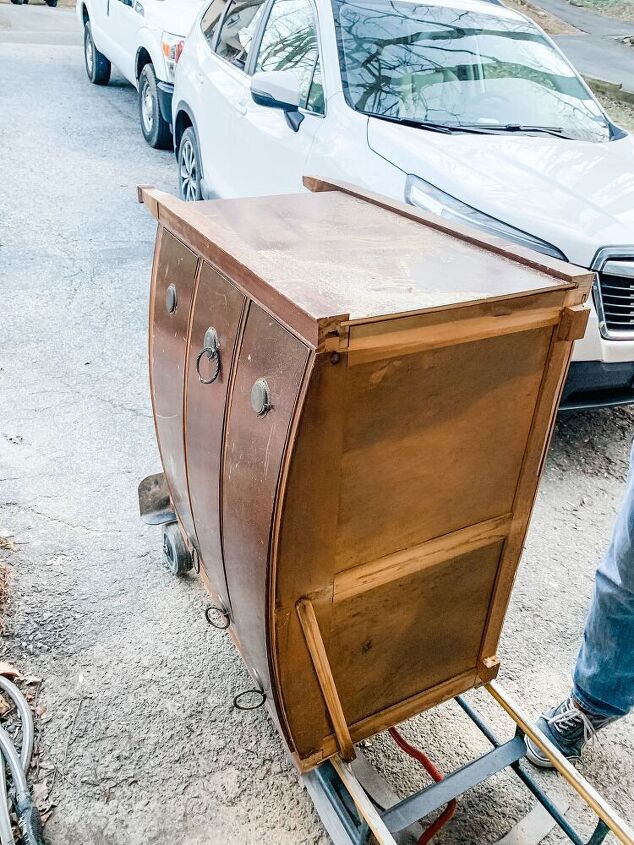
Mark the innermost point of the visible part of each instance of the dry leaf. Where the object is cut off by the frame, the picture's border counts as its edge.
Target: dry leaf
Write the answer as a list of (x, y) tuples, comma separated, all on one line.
[(7, 544), (40, 793), (9, 670), (32, 679), (41, 711), (4, 705)]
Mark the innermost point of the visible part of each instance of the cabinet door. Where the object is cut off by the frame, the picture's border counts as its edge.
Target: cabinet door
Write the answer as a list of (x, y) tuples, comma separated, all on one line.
[(170, 301), (269, 374), (217, 310)]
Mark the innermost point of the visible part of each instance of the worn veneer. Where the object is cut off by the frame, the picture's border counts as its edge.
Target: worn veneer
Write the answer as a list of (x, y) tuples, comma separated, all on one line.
[(352, 401)]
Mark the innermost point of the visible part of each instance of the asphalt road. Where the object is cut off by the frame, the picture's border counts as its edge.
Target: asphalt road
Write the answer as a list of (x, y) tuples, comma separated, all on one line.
[(139, 742)]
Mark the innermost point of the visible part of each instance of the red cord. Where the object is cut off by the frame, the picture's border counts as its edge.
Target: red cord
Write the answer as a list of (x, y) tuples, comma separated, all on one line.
[(429, 767)]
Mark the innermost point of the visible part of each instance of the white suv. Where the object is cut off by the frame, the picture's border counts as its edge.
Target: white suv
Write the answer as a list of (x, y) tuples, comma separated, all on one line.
[(144, 39), (461, 107)]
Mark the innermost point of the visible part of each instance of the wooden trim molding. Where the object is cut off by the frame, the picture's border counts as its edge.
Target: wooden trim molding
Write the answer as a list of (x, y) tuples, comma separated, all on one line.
[(317, 650), (368, 576)]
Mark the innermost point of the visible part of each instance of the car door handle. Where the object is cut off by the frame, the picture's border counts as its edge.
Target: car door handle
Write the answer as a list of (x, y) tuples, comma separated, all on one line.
[(241, 107)]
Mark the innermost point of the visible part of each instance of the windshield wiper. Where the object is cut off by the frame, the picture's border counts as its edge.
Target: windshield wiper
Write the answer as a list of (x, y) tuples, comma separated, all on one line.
[(557, 131), (473, 128), (446, 128)]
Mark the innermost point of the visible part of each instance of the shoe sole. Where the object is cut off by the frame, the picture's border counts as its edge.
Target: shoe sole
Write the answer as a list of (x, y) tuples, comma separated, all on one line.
[(544, 762), (540, 762)]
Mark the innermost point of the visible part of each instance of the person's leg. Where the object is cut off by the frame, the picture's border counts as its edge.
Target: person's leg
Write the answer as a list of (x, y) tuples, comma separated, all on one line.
[(603, 678), (604, 673)]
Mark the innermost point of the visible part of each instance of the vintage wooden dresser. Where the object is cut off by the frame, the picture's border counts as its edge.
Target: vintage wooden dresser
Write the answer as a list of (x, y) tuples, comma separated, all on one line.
[(353, 401)]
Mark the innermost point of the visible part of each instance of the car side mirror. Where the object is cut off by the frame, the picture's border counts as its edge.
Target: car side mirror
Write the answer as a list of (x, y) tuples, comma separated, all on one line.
[(279, 89)]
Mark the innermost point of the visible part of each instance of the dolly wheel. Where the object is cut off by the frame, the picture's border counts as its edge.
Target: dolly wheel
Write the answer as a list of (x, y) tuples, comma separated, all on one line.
[(175, 554)]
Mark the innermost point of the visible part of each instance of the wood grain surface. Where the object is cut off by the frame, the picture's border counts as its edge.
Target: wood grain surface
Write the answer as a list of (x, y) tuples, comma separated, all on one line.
[(219, 305), (176, 265)]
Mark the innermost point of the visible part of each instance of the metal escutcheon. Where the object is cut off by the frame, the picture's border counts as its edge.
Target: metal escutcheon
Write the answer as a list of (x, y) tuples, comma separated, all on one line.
[(217, 617), (210, 350), (260, 397), (170, 299), (250, 699)]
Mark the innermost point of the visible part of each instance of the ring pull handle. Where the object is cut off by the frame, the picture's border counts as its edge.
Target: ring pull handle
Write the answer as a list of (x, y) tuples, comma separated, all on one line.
[(211, 351), (249, 699), (217, 617)]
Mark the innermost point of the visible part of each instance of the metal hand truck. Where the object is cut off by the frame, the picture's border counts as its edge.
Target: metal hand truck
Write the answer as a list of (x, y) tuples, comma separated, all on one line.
[(352, 815)]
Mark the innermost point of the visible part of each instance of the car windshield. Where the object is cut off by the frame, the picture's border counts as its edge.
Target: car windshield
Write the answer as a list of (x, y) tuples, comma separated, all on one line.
[(455, 67)]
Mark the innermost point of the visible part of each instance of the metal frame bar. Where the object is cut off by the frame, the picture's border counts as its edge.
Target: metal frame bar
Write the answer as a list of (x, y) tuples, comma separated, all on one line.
[(422, 803), (596, 802), (531, 784), (350, 815)]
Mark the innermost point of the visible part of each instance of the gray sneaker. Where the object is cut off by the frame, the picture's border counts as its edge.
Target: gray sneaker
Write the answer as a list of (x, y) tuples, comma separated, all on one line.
[(569, 728)]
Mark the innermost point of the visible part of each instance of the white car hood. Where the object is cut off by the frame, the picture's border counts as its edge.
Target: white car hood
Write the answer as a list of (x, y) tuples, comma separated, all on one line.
[(175, 16), (576, 195)]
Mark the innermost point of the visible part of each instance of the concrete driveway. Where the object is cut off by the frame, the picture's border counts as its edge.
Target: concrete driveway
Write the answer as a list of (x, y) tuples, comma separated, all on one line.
[(139, 742)]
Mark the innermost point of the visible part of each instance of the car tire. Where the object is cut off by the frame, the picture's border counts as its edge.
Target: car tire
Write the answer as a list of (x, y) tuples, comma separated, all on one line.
[(17, 2), (52, 3), (189, 167), (97, 65), (156, 130)]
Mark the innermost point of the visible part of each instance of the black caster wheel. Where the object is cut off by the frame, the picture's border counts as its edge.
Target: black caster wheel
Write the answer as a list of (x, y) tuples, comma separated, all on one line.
[(175, 554)]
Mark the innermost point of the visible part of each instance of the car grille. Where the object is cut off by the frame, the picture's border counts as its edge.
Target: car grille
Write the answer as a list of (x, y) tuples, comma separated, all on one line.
[(615, 299)]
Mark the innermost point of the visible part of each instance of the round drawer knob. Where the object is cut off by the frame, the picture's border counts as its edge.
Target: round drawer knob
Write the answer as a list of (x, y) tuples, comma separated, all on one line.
[(260, 397), (170, 299)]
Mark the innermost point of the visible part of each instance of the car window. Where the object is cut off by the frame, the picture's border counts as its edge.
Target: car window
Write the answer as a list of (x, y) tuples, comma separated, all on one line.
[(315, 99), (289, 42), (477, 68), (210, 20), (237, 30)]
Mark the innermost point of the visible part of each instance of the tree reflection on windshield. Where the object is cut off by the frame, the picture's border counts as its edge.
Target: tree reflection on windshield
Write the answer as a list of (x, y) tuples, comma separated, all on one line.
[(458, 67)]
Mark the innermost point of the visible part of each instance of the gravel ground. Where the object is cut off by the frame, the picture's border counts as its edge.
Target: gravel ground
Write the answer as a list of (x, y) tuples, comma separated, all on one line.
[(140, 744)]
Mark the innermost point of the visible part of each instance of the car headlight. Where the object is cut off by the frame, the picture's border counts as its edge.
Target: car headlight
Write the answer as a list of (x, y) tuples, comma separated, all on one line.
[(425, 195), (172, 49)]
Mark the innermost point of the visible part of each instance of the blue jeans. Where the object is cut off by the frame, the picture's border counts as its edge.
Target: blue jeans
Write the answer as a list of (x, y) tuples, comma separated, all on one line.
[(604, 674)]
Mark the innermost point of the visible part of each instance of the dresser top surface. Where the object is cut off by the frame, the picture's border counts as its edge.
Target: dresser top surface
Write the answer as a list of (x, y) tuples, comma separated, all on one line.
[(332, 254)]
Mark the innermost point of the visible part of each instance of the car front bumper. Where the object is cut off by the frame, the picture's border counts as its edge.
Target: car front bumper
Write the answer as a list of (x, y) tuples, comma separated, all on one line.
[(165, 94), (594, 384)]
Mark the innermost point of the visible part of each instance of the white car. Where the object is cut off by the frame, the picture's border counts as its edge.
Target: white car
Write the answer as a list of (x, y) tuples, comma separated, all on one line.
[(461, 107), (144, 39)]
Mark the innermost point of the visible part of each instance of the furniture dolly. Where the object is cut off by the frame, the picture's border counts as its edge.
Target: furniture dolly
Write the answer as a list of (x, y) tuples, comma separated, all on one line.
[(356, 806)]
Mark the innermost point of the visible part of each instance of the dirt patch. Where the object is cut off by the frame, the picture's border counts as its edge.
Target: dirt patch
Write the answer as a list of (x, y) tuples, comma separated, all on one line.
[(620, 111), (4, 593), (7, 546), (623, 9), (549, 23)]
